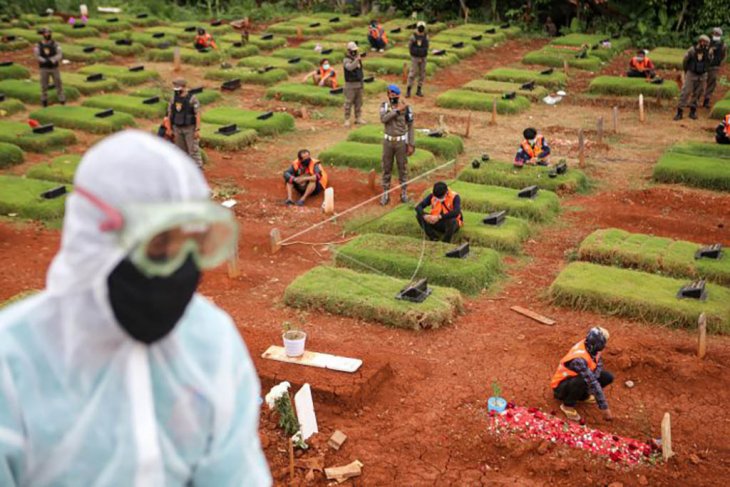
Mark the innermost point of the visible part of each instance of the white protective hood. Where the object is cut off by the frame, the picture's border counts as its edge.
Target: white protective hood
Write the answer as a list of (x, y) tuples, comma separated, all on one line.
[(82, 403)]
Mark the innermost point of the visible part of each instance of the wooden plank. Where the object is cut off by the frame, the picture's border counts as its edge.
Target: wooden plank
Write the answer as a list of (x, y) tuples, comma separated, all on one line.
[(340, 474), (702, 336), (535, 316), (667, 452), (581, 149), (642, 117), (314, 359), (494, 112), (615, 120), (599, 130), (275, 238)]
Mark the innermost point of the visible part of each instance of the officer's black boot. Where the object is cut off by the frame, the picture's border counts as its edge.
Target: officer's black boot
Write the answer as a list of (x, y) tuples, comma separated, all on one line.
[(706, 103), (45, 103), (408, 92), (419, 91), (693, 113), (385, 198), (404, 194), (679, 114)]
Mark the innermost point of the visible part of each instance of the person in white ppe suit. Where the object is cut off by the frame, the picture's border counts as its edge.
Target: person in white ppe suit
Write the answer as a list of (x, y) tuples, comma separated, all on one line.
[(118, 373)]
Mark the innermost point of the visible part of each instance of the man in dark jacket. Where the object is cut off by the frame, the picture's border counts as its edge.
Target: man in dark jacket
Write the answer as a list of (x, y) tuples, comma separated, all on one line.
[(696, 63), (418, 47), (354, 76), (184, 115), (49, 56), (718, 53), (445, 216)]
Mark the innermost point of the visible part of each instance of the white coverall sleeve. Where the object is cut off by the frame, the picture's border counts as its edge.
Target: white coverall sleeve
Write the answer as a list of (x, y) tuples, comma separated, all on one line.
[(236, 458), (11, 438)]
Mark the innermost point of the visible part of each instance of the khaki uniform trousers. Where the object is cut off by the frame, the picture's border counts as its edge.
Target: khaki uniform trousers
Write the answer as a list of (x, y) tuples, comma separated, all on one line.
[(185, 140)]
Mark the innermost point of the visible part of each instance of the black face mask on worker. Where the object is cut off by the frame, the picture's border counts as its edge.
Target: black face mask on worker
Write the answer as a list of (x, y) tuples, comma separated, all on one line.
[(148, 308), (47, 37), (421, 29), (306, 161), (394, 100)]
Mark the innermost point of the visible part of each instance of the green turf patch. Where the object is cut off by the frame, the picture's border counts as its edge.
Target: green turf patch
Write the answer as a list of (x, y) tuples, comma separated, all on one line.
[(659, 255), (499, 35), (278, 123), (14, 71), (501, 87), (343, 38), (368, 156), (391, 66), (371, 297), (457, 37), (700, 172), (10, 106), (85, 87), (237, 52), (70, 31), (149, 21), (505, 174), (667, 57), (22, 196), (639, 295), (486, 199), (617, 85), (10, 155), (462, 52), (401, 256), (170, 31), (22, 135), (472, 100), (136, 49), (441, 61), (248, 75), (401, 221), (711, 150), (160, 55), (200, 58), (293, 28), (554, 57), (75, 53), (554, 80), (206, 97), (214, 30), (344, 22), (122, 73), (316, 95), (335, 57), (258, 62), (14, 45), (720, 109), (103, 25), (60, 169), (29, 91), (147, 39), (210, 137), (83, 118), (27, 34), (267, 44), (134, 105), (592, 40), (447, 147)]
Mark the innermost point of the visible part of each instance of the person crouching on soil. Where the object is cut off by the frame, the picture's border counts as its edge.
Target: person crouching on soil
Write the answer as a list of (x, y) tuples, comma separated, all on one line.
[(306, 176), (324, 76), (533, 149), (641, 66), (580, 376), (445, 216), (722, 132), (204, 40)]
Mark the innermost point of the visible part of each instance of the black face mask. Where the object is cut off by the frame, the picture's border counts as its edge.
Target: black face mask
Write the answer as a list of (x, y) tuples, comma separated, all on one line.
[(149, 308), (421, 29), (306, 161), (47, 37), (394, 101)]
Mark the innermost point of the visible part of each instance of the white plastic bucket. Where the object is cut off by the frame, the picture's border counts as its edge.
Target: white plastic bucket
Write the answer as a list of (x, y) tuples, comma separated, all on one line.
[(294, 347)]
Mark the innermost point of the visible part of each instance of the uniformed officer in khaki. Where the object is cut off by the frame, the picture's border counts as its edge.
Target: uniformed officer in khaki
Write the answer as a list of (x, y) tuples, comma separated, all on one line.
[(696, 63), (354, 87), (398, 141), (184, 116), (49, 56), (418, 46)]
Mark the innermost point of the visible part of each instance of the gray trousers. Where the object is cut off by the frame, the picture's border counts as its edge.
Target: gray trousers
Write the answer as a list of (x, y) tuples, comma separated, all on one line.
[(353, 99), (46, 74), (185, 140), (394, 151), (694, 85), (712, 74), (418, 70)]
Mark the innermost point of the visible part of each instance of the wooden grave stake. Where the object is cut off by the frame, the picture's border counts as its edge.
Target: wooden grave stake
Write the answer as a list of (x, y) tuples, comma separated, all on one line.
[(275, 237), (372, 176), (494, 112), (599, 129), (667, 452), (299, 33), (615, 120), (565, 67), (468, 125), (291, 459), (581, 149), (405, 73), (702, 336), (642, 118), (176, 58)]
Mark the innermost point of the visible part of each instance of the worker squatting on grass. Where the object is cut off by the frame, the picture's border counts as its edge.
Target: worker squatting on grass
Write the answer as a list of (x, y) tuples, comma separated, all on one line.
[(325, 75), (534, 150), (139, 346), (722, 132), (444, 218), (306, 176)]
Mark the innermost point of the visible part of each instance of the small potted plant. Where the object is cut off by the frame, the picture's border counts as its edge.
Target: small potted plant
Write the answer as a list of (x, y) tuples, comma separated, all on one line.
[(496, 403), (294, 340)]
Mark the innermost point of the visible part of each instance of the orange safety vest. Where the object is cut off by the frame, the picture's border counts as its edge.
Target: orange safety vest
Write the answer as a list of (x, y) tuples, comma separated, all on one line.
[(206, 40), (309, 170), (640, 66), (530, 150), (563, 372), (324, 72), (727, 124), (441, 208), (378, 32)]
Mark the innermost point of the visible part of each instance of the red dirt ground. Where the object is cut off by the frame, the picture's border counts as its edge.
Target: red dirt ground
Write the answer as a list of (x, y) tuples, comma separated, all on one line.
[(427, 425)]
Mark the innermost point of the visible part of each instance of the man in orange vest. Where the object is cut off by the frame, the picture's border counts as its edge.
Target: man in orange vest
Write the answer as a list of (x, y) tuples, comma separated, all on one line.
[(641, 66), (204, 40), (533, 150), (580, 376), (376, 36), (445, 216), (306, 176), (325, 75), (722, 133)]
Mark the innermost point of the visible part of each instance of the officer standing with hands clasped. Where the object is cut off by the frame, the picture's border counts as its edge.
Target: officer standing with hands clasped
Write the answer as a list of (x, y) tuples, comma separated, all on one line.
[(184, 116), (696, 63), (718, 53), (49, 56), (418, 47), (398, 141)]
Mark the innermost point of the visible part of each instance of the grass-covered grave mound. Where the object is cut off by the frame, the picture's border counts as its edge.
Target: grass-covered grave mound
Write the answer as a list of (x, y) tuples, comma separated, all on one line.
[(264, 62), (83, 118), (700, 172), (134, 105), (14, 71), (369, 156), (277, 123), (506, 174), (473, 100), (29, 91), (248, 75), (667, 57), (123, 74), (447, 146), (501, 87), (22, 197), (399, 256), (316, 95), (371, 297), (10, 106), (211, 137), (555, 79), (486, 199), (81, 82), (60, 169), (78, 53), (623, 86), (10, 155), (639, 295), (22, 135)]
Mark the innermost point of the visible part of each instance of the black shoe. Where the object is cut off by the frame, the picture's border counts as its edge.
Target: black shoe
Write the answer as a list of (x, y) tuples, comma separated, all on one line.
[(679, 114), (408, 92), (706, 103), (693, 113), (63, 102), (419, 92), (44, 103)]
